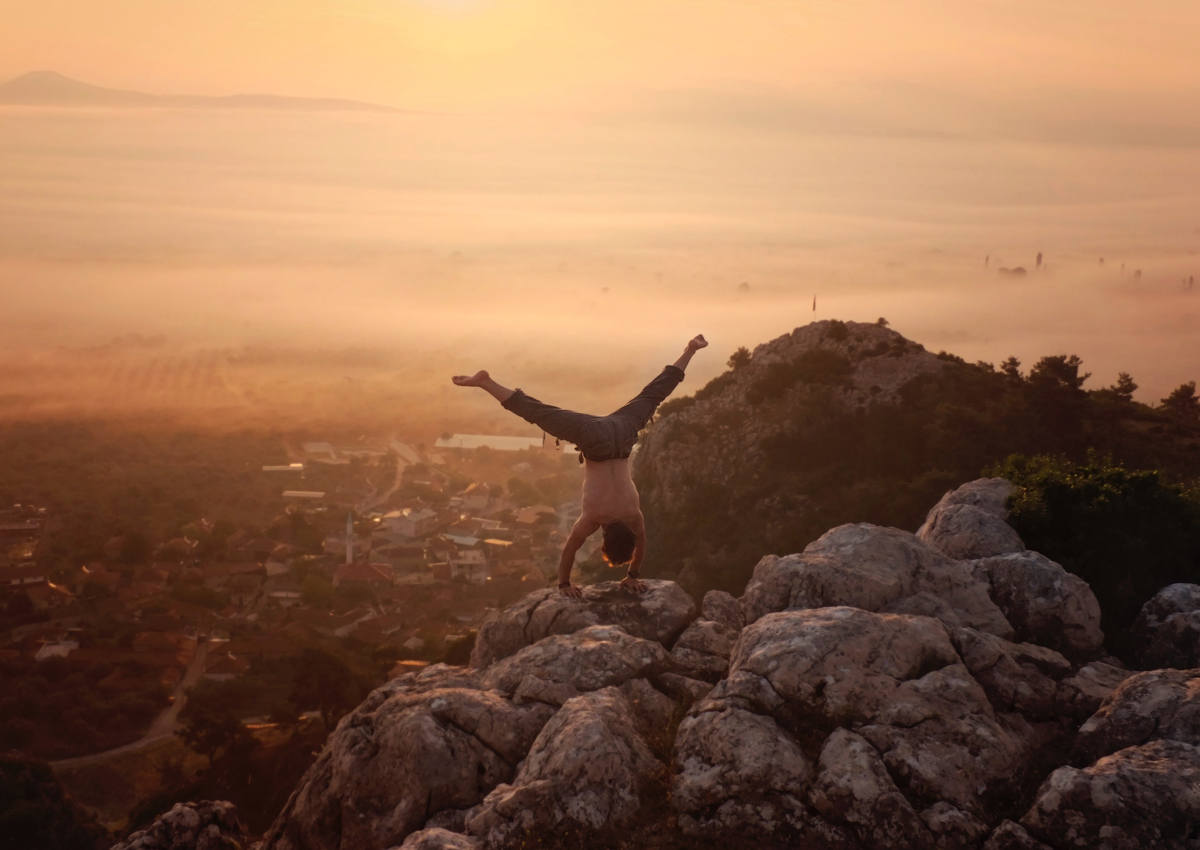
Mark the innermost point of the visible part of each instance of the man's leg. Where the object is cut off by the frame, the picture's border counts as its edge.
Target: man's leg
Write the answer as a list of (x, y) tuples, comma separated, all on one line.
[(559, 423), (642, 406)]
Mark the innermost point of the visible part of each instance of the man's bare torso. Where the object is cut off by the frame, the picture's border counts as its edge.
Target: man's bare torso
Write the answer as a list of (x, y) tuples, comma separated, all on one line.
[(609, 494)]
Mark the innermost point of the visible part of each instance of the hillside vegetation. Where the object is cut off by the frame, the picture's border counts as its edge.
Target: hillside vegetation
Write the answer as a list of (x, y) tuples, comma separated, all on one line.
[(846, 422)]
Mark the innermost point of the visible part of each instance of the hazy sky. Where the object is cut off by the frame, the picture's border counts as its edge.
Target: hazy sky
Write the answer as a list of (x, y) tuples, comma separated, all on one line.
[(581, 186)]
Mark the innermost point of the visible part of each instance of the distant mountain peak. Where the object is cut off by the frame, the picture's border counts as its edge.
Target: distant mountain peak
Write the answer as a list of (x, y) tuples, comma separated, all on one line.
[(50, 88)]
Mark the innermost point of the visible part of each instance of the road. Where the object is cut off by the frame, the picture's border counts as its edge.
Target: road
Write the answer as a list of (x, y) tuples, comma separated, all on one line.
[(163, 726)]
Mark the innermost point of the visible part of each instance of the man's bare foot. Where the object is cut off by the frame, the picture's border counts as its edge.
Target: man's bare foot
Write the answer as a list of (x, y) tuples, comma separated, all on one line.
[(476, 380), (697, 342)]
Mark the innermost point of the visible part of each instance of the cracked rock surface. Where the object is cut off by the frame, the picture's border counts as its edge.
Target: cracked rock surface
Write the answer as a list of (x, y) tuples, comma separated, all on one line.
[(877, 690), (207, 825), (659, 614)]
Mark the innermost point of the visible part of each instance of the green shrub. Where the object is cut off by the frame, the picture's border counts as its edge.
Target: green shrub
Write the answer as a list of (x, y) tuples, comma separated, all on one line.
[(1127, 533)]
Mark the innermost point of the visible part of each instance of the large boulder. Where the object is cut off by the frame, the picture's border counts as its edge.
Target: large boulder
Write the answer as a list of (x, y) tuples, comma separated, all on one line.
[(1044, 603), (659, 614), (736, 768), (702, 651), (970, 522), (898, 683), (592, 658), (1157, 704), (1168, 628), (402, 757), (587, 770), (1142, 786), (437, 838), (209, 825), (1139, 797), (872, 568)]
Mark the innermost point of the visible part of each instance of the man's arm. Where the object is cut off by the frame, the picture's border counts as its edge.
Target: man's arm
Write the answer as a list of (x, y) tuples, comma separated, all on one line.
[(583, 529), (694, 344), (633, 580)]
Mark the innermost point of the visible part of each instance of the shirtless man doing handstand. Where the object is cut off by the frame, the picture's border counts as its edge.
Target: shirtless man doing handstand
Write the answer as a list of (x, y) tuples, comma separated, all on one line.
[(610, 501)]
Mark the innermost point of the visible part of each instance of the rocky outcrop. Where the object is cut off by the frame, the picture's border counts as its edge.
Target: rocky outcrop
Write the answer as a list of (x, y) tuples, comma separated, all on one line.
[(659, 614), (1044, 603), (880, 689), (437, 838), (190, 826), (800, 680), (586, 770), (402, 757), (970, 522), (873, 569), (703, 649), (1168, 628), (1142, 785)]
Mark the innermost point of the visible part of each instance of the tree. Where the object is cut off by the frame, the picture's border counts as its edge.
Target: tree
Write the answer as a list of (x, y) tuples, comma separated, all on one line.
[(739, 359), (1124, 387), (1182, 402), (326, 683), (1012, 368), (1058, 372), (208, 732)]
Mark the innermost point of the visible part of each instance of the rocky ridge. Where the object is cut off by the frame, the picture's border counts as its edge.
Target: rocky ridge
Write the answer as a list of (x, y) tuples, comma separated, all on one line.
[(945, 689)]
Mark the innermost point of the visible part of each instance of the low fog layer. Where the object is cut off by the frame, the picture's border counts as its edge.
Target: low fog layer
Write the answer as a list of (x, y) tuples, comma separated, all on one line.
[(290, 268)]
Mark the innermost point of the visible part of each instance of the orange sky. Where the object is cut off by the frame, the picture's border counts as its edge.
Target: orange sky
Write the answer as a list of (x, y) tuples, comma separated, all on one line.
[(471, 54), (568, 159)]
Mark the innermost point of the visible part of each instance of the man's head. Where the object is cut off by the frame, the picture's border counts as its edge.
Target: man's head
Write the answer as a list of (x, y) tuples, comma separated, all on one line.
[(619, 541)]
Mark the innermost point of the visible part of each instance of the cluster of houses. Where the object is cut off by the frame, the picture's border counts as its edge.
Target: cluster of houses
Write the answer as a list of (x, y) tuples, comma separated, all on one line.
[(410, 572)]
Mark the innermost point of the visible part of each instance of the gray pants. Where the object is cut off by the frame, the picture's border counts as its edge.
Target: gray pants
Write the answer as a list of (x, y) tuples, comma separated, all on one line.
[(599, 438)]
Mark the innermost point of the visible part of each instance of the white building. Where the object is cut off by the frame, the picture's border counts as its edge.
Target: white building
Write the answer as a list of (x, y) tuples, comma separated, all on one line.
[(469, 564), (410, 523)]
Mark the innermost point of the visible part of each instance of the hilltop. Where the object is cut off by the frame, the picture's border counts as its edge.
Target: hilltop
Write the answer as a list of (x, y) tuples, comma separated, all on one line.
[(849, 422)]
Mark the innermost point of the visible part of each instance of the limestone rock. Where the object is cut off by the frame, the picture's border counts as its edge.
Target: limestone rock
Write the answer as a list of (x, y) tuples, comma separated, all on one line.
[(702, 651), (592, 658), (1010, 835), (1044, 603), (659, 614), (588, 768), (683, 688), (210, 825), (1168, 628), (985, 494), (439, 839), (399, 759), (737, 770), (1157, 704), (1178, 598), (871, 568), (723, 608), (896, 681), (1015, 677), (1082, 694), (853, 788), (952, 828), (1139, 797), (965, 532), (1176, 643), (653, 708)]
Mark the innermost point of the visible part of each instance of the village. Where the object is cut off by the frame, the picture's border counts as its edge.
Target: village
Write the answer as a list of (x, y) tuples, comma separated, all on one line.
[(383, 551)]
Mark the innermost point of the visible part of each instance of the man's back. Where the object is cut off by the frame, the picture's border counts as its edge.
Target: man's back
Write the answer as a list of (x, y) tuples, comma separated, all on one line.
[(608, 492)]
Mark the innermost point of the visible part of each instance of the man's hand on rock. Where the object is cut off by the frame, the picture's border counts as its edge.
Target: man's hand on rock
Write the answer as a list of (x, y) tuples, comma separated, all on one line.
[(634, 584), (571, 591)]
